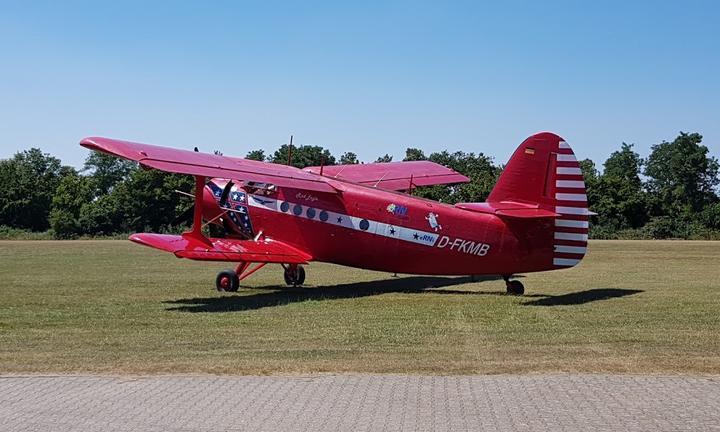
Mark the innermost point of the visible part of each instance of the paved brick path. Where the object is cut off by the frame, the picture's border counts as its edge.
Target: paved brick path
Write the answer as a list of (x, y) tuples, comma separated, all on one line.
[(359, 403)]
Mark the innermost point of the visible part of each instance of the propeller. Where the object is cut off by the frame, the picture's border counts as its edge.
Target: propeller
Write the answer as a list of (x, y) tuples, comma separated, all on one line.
[(223, 200)]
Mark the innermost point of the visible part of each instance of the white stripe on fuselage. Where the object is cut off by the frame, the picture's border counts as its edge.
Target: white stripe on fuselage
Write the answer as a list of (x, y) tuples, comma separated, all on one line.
[(346, 221)]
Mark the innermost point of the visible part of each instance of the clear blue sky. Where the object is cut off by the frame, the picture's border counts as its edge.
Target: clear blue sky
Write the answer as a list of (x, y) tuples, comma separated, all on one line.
[(368, 77)]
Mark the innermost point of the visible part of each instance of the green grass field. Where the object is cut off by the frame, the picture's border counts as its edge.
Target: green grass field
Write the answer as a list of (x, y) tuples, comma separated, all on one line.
[(115, 307)]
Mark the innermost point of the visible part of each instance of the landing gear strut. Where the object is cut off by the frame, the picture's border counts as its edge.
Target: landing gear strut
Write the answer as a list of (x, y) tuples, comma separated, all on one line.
[(513, 287), (294, 275)]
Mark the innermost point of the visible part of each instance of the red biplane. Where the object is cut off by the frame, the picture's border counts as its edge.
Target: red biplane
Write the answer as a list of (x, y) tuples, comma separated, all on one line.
[(535, 219)]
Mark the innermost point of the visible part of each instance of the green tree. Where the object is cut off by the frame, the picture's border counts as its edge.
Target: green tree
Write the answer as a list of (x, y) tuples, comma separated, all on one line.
[(106, 171), (258, 155), (617, 195), (73, 192), (348, 158), (303, 156), (479, 168), (710, 216), (590, 176), (625, 164), (682, 177), (414, 154), (104, 216), (589, 172), (146, 200), (619, 204), (29, 180), (383, 159)]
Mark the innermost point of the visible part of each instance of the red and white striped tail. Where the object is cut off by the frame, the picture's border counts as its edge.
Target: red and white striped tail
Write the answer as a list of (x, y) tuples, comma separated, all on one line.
[(544, 170), (571, 228)]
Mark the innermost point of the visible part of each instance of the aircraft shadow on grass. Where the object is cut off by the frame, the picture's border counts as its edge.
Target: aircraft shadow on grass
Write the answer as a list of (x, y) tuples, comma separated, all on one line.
[(582, 297), (278, 296)]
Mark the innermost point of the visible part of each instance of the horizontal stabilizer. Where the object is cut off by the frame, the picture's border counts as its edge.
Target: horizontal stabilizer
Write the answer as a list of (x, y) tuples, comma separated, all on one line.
[(395, 176), (509, 209), (261, 251)]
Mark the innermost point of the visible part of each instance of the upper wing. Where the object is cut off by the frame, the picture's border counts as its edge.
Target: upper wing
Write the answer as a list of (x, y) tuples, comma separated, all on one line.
[(261, 251), (208, 165), (393, 175)]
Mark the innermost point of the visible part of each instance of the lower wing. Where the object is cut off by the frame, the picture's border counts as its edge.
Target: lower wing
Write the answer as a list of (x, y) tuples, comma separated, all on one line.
[(251, 251)]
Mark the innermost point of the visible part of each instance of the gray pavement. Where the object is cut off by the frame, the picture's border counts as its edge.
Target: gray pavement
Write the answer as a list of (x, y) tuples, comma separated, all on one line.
[(359, 403)]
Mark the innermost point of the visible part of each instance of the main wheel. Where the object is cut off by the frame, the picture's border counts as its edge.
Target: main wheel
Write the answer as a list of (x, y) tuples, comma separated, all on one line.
[(294, 275), (227, 280), (515, 288)]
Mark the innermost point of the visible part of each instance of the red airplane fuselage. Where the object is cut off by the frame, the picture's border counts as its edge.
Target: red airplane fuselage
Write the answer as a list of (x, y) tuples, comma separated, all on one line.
[(389, 231)]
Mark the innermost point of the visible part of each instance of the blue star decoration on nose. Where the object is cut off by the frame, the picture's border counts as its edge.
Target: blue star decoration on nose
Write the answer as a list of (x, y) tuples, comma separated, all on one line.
[(392, 231), (416, 236)]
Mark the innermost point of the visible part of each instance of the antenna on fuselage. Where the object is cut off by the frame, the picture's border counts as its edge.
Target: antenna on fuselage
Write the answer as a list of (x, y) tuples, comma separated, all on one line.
[(290, 151)]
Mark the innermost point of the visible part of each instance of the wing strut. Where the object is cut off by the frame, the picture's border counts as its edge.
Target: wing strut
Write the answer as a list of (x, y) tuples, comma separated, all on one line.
[(196, 232)]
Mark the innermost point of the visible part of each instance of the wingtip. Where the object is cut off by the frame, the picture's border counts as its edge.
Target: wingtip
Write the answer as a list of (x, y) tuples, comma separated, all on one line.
[(90, 142)]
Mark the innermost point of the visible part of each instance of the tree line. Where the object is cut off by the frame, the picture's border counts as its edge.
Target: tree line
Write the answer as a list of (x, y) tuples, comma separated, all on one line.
[(672, 193)]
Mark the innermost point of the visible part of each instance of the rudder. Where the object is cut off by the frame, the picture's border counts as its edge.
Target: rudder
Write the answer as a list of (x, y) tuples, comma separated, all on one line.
[(544, 171)]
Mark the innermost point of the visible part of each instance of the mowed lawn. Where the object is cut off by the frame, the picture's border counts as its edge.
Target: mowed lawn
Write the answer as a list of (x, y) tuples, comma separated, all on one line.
[(115, 307)]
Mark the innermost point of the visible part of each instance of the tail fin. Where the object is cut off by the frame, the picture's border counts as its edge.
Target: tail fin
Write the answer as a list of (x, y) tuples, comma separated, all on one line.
[(544, 171)]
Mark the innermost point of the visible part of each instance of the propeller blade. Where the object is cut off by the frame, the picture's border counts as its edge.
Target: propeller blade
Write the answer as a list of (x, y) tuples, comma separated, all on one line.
[(225, 193)]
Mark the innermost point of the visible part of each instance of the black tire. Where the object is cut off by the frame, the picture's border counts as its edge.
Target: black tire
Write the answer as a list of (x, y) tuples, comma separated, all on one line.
[(301, 275), (227, 280), (296, 277), (515, 288), (288, 277)]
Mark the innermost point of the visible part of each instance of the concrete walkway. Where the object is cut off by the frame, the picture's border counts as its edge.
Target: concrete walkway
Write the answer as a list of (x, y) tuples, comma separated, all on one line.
[(359, 403)]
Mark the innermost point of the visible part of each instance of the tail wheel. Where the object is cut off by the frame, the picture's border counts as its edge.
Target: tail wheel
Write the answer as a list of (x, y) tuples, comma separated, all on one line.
[(227, 280), (294, 275), (515, 288)]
